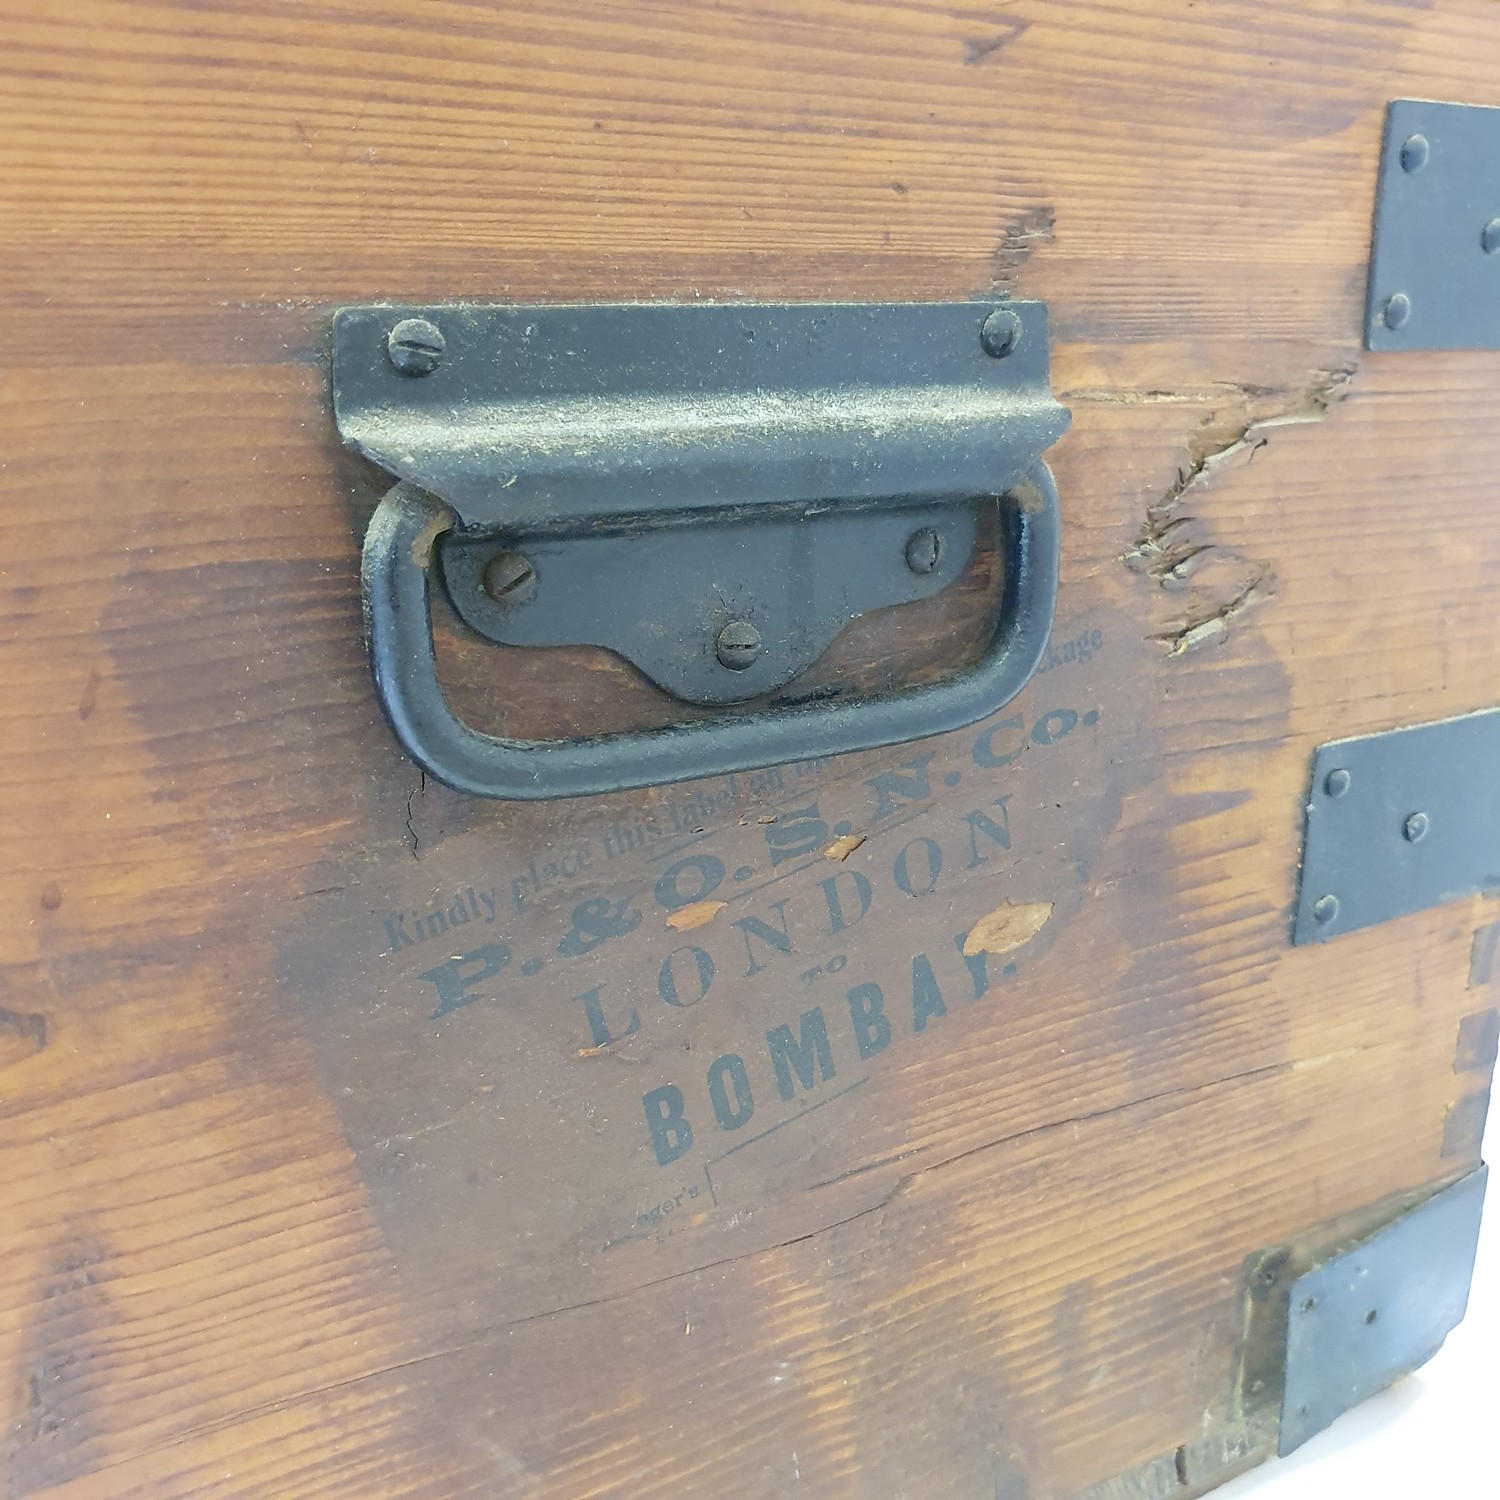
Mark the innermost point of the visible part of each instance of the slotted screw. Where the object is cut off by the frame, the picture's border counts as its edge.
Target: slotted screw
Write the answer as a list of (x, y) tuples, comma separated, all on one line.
[(738, 645), (509, 578), (415, 346)]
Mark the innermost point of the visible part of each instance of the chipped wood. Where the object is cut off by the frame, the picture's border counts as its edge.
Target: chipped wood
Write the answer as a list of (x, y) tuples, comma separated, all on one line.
[(1010, 926), (694, 914), (843, 846)]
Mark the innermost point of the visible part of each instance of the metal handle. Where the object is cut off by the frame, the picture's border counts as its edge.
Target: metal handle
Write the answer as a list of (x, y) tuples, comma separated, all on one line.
[(398, 559)]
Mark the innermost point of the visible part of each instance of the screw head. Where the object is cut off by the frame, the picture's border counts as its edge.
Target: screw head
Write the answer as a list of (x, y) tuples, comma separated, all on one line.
[(415, 346), (509, 578), (1415, 827), (1489, 237), (738, 645), (1000, 333), (1337, 782), (1397, 310), (1325, 909), (1414, 153), (923, 550)]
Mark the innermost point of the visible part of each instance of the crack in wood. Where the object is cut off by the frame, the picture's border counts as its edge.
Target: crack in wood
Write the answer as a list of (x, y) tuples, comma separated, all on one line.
[(1175, 548)]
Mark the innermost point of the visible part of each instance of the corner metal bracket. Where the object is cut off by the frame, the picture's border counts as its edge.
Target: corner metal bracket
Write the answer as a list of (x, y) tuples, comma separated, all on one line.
[(1400, 821), (1435, 254), (1379, 1309)]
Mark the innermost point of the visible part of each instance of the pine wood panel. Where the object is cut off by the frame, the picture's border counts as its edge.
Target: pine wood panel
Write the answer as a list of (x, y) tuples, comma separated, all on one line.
[(273, 1228)]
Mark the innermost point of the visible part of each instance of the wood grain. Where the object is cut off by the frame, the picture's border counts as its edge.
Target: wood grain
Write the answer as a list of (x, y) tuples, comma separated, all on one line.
[(272, 1227)]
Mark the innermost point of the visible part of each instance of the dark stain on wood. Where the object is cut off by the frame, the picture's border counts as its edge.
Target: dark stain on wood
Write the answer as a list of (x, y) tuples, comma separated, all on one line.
[(90, 694), (1020, 237), (1463, 1127), (59, 1419), (1482, 954), (1006, 30), (1478, 1042), (22, 1035)]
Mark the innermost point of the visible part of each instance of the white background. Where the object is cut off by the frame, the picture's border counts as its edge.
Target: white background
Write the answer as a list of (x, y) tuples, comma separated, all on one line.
[(1436, 1435)]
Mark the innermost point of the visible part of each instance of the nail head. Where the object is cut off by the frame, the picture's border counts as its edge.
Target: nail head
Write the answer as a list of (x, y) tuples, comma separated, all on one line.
[(1000, 333), (923, 550), (1414, 153)]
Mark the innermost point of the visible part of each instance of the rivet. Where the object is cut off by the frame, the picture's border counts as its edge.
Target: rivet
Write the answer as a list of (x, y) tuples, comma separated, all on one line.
[(1325, 909), (1414, 153), (415, 346), (1336, 782), (1489, 237), (509, 578), (923, 549), (1000, 333), (738, 645), (1415, 827), (1397, 310)]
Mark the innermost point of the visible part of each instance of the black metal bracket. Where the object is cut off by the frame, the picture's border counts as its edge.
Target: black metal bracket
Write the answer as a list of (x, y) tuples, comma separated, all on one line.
[(1398, 821), (1378, 1309), (1435, 254), (712, 491)]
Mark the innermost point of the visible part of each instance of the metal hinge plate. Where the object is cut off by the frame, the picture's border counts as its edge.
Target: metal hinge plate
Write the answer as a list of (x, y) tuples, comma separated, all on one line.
[(1435, 254), (1400, 821), (1378, 1310)]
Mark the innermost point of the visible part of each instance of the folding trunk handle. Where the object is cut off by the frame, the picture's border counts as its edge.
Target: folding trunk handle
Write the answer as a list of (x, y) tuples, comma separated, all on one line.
[(711, 491)]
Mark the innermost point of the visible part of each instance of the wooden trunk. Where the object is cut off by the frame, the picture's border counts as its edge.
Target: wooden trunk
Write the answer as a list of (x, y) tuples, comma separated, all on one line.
[(281, 1220)]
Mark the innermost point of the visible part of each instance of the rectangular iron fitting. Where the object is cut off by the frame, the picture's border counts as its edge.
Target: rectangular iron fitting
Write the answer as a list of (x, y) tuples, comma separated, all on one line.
[(1435, 251), (549, 419), (711, 491), (1382, 1308), (1398, 821)]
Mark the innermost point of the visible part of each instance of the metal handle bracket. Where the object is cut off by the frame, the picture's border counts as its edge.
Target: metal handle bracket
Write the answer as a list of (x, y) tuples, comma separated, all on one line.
[(713, 491)]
